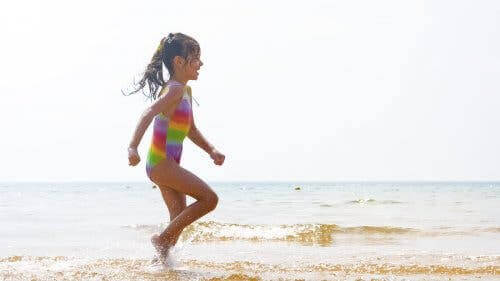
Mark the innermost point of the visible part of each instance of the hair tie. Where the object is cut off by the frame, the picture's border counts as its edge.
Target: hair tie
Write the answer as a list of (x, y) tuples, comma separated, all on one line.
[(162, 42), (170, 38)]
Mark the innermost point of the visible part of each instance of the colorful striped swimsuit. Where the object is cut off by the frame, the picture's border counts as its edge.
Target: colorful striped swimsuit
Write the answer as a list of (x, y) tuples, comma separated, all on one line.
[(169, 134)]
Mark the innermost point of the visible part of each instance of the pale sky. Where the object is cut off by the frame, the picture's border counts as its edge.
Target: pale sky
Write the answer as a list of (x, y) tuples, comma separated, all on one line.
[(307, 91)]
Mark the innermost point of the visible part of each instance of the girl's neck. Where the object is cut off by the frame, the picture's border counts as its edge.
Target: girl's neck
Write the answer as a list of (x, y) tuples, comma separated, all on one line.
[(178, 80)]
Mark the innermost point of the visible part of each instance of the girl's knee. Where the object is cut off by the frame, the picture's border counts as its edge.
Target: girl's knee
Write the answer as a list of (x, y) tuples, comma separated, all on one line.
[(212, 200)]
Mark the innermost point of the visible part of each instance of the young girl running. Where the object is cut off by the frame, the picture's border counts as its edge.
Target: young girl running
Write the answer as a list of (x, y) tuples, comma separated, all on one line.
[(173, 121)]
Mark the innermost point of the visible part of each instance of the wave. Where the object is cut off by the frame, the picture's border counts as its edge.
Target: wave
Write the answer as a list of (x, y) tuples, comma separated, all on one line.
[(471, 231), (307, 234), (362, 201), (326, 205), (373, 201), (493, 229), (70, 268)]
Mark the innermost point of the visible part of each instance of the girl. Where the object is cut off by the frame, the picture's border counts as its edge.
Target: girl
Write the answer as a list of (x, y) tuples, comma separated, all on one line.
[(173, 121)]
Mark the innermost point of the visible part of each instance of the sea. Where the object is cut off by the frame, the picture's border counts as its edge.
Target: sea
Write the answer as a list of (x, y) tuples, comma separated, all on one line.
[(259, 231)]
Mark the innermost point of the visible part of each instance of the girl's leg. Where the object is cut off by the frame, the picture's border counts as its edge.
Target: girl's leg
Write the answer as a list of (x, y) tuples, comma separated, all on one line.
[(169, 173), (176, 203)]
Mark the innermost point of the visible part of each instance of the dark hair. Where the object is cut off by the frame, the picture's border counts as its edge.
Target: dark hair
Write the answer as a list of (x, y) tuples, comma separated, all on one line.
[(175, 44)]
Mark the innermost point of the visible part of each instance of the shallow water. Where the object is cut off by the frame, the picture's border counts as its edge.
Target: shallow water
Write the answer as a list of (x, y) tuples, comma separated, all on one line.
[(266, 231)]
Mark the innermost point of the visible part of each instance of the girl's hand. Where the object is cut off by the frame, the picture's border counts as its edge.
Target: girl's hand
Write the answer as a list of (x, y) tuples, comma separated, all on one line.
[(133, 156), (217, 157)]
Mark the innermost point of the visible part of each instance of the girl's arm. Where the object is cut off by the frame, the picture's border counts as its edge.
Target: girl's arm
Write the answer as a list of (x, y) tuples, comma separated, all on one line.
[(196, 137), (164, 104)]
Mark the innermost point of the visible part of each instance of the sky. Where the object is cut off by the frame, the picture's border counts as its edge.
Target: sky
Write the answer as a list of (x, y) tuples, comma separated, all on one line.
[(289, 91)]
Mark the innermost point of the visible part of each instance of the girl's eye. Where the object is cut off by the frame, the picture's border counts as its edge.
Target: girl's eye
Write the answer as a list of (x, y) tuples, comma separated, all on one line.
[(195, 60)]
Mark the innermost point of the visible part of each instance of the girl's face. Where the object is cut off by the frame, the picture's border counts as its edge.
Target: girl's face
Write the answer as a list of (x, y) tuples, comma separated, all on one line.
[(193, 66), (190, 67)]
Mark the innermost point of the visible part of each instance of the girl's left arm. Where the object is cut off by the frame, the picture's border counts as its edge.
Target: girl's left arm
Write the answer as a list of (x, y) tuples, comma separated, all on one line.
[(195, 135)]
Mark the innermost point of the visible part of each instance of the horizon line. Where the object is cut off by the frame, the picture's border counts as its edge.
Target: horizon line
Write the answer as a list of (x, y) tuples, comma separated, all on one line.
[(261, 181)]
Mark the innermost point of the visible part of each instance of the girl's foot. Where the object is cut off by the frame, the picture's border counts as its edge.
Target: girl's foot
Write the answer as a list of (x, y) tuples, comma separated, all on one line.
[(162, 250)]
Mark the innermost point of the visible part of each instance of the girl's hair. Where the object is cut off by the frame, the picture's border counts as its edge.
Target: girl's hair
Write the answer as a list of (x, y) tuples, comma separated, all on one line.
[(175, 44)]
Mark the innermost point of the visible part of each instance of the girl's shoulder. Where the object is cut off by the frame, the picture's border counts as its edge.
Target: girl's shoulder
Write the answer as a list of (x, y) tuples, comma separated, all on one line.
[(191, 95), (166, 88)]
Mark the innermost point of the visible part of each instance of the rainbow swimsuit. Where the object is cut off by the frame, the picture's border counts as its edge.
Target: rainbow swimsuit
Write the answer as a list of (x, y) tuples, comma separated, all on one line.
[(169, 134)]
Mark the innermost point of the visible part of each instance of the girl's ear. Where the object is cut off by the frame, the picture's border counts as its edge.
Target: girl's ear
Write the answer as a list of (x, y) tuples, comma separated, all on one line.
[(178, 60)]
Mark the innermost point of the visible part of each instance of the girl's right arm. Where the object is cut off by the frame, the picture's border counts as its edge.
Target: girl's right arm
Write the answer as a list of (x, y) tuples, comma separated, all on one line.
[(164, 104)]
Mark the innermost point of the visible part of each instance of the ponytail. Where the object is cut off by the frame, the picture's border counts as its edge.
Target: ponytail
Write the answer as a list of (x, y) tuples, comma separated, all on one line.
[(153, 75)]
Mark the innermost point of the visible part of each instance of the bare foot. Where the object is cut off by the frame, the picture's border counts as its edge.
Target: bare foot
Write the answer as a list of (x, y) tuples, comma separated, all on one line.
[(161, 249)]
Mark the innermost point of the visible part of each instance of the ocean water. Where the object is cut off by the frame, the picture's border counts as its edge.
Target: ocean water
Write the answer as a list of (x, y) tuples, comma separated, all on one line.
[(259, 231)]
